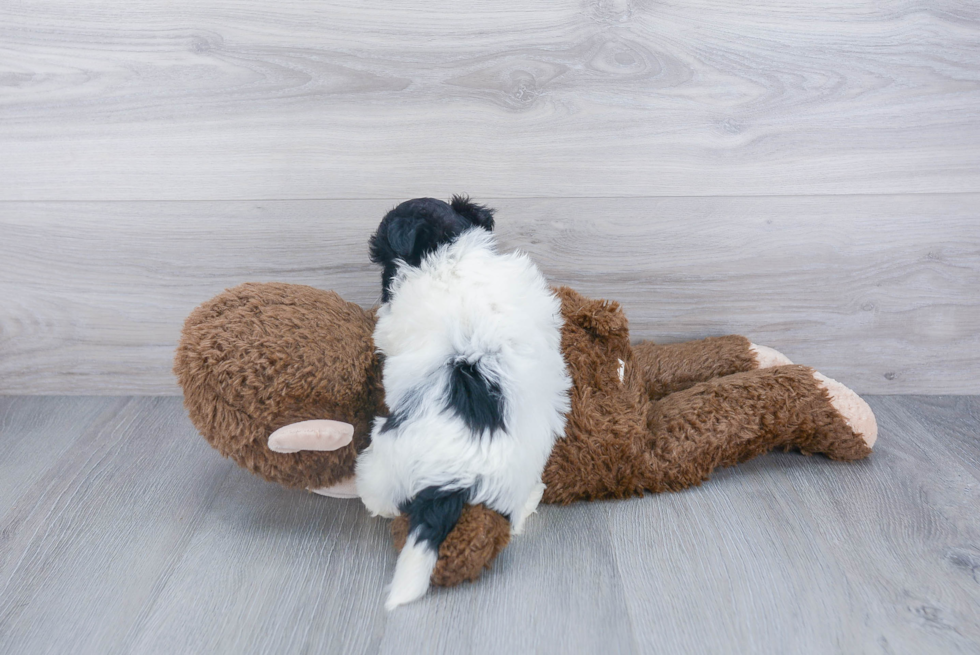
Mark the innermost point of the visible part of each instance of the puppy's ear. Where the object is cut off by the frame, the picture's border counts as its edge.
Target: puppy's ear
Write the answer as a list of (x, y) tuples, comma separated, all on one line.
[(476, 214), (399, 237), (402, 235)]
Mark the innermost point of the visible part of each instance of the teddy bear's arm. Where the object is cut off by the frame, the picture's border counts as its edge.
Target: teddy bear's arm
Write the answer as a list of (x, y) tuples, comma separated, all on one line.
[(320, 436), (678, 366)]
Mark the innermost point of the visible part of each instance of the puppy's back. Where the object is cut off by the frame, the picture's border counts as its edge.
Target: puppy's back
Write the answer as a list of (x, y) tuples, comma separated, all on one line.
[(465, 299), (477, 389)]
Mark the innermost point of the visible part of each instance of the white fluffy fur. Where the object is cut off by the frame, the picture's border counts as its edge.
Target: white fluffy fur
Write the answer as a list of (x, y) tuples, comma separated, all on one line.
[(466, 300), (412, 572)]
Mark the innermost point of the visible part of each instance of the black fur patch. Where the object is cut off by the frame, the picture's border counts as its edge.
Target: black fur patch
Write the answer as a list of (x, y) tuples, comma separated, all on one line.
[(475, 399), (409, 404), (433, 513), (417, 227), (477, 214), (394, 420)]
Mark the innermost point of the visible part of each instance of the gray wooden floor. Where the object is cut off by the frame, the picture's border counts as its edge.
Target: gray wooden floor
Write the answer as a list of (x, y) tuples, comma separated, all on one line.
[(121, 531)]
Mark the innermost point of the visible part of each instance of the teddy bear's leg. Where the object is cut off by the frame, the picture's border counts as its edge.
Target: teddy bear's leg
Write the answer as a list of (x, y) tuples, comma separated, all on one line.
[(852, 407), (731, 419), (674, 367)]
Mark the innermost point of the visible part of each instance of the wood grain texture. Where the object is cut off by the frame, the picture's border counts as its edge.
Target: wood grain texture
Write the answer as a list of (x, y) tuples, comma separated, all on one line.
[(37, 434), (567, 597), (90, 545), (955, 420), (140, 539), (882, 293), (210, 101), (788, 554), (289, 573)]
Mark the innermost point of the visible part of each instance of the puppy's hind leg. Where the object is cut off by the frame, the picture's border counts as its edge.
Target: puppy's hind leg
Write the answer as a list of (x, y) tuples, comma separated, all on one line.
[(530, 507), (432, 515)]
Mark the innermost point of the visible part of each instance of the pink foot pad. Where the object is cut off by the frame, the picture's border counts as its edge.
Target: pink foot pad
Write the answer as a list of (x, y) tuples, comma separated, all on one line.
[(852, 407), (768, 357)]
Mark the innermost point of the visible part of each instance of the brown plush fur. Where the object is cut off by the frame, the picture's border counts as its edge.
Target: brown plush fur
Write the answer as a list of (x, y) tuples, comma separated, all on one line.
[(261, 356), (677, 366), (756, 411), (606, 429)]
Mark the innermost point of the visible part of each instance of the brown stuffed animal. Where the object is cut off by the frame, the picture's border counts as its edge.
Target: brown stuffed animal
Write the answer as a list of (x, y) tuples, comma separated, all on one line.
[(284, 379)]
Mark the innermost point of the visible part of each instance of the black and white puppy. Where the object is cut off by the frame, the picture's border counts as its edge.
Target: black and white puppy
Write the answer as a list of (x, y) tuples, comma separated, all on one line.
[(473, 376)]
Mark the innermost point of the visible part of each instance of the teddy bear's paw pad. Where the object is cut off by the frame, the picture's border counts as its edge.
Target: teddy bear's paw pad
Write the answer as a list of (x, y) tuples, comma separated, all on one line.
[(857, 414), (311, 435), (343, 489), (768, 357)]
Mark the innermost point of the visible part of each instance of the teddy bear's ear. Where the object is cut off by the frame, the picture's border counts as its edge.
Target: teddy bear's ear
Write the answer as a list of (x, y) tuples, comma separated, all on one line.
[(476, 214), (603, 318)]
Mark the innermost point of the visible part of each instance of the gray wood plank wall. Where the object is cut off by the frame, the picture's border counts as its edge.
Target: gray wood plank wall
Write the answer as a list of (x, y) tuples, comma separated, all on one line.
[(807, 174)]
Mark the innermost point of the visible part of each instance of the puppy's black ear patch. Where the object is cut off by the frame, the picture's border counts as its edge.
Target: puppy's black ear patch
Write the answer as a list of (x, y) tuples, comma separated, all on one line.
[(408, 406), (476, 214), (475, 399), (402, 235), (418, 227), (383, 253)]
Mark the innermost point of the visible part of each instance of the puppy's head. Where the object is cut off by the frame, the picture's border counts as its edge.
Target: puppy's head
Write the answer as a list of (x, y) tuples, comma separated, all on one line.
[(417, 227)]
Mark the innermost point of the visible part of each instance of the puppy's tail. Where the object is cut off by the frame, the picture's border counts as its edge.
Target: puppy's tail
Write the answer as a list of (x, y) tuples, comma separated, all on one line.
[(432, 515)]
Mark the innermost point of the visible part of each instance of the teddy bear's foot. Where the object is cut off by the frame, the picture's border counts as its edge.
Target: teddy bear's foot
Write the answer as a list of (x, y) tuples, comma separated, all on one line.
[(343, 489), (768, 357), (854, 410)]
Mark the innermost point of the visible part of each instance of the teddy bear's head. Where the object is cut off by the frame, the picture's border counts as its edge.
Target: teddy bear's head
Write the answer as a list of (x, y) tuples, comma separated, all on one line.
[(261, 356)]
